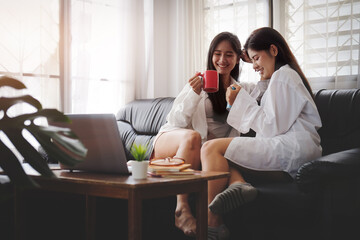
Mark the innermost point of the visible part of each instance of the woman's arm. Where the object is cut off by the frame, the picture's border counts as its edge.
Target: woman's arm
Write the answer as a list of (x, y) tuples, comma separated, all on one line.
[(184, 106), (283, 104)]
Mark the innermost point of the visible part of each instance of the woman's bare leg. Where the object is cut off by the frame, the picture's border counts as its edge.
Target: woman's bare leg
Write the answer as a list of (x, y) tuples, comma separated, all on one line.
[(235, 176), (212, 159), (186, 144)]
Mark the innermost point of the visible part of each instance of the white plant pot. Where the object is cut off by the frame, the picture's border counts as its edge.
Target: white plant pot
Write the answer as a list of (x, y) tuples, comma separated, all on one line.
[(139, 169)]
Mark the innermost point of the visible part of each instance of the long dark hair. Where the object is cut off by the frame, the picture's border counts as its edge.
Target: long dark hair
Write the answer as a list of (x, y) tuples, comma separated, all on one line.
[(262, 38), (218, 99)]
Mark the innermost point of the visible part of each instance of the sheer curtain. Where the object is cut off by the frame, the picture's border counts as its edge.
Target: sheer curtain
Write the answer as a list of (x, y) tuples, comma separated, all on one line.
[(173, 40), (126, 50), (107, 54)]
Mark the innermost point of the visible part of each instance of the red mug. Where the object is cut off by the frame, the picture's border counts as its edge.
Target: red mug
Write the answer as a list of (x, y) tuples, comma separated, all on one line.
[(210, 81)]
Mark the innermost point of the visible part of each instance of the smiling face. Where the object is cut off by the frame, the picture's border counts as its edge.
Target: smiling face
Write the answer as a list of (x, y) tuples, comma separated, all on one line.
[(264, 61), (224, 58)]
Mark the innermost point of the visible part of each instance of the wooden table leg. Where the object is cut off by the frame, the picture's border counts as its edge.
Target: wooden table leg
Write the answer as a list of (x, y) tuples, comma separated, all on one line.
[(90, 221), (134, 215), (202, 212), (19, 214)]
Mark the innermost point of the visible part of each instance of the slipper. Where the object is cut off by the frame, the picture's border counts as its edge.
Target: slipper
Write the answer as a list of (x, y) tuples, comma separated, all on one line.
[(233, 197)]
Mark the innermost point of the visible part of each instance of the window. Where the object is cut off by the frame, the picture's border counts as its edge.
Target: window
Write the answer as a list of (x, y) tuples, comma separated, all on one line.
[(29, 51), (29, 47), (324, 36), (91, 52)]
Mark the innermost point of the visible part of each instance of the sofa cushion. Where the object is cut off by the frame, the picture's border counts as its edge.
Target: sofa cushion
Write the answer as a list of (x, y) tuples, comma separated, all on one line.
[(140, 120), (341, 166), (340, 115)]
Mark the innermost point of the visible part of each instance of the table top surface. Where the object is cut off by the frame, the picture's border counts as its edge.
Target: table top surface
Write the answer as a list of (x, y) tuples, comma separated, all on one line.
[(125, 181), (129, 181)]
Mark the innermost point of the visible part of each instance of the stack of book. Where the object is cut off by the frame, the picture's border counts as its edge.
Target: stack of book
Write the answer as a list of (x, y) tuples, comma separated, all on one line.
[(171, 171)]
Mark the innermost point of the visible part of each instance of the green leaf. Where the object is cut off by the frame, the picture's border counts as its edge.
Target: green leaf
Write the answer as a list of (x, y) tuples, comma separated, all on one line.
[(18, 121), (52, 115), (6, 103), (11, 82), (30, 155), (64, 137), (70, 157), (13, 169), (138, 151)]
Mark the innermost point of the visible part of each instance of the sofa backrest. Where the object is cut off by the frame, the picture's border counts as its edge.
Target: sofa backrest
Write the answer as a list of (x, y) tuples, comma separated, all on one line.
[(340, 115), (140, 120)]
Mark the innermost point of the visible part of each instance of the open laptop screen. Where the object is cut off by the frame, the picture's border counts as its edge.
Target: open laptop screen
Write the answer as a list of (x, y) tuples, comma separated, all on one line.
[(99, 133)]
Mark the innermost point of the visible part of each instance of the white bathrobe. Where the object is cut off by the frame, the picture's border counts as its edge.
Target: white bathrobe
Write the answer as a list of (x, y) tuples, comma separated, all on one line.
[(286, 124), (188, 110)]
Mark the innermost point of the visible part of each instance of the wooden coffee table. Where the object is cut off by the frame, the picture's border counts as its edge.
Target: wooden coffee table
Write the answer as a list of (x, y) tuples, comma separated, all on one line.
[(94, 185)]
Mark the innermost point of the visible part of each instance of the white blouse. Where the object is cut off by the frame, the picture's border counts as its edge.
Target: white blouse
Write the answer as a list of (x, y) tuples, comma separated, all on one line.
[(217, 125)]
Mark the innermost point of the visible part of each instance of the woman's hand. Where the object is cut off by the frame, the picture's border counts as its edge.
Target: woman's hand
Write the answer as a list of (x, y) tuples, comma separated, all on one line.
[(196, 83), (245, 57), (231, 93)]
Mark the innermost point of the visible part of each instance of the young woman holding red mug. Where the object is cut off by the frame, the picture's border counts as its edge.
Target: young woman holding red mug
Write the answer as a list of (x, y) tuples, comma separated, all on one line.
[(197, 116)]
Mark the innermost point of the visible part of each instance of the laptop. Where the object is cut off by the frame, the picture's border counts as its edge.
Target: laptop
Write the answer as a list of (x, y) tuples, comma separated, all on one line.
[(100, 135)]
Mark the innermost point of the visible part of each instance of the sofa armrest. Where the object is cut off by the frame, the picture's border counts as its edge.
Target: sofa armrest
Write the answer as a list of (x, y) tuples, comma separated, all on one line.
[(340, 166)]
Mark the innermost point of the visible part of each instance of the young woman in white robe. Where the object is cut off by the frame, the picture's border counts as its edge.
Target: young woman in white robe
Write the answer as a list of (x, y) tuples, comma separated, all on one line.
[(197, 116), (286, 123)]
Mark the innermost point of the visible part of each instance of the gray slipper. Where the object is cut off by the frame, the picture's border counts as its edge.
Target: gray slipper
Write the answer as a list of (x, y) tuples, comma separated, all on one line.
[(218, 233), (233, 197)]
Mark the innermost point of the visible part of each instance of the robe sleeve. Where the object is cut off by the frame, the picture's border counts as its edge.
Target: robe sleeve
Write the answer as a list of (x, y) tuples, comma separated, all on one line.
[(247, 86), (185, 104), (281, 107)]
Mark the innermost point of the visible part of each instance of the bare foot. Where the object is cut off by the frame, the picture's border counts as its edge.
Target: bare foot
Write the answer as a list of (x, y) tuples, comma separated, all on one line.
[(185, 221)]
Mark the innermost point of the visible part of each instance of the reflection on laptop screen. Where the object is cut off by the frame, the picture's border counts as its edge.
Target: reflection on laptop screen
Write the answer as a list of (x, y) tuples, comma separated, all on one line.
[(99, 133)]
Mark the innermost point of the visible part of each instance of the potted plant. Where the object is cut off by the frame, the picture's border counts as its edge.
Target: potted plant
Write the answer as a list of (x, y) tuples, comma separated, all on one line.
[(139, 166), (59, 143)]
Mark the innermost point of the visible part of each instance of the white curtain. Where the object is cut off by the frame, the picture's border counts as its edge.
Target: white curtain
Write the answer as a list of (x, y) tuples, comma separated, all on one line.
[(174, 45), (126, 50), (107, 54)]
